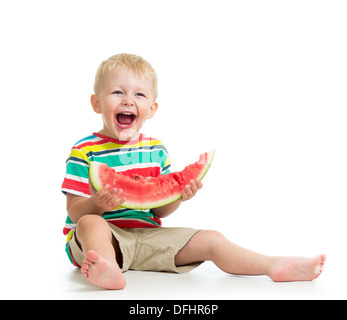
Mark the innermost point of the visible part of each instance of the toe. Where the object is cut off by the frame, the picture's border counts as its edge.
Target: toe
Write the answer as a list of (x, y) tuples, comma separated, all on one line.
[(323, 259), (92, 256)]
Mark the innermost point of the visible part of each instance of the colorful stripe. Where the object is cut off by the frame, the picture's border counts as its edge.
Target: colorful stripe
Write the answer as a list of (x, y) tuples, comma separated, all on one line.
[(144, 156)]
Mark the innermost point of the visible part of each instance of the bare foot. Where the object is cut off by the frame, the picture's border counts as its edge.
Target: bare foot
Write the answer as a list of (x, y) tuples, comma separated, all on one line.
[(102, 272), (297, 269)]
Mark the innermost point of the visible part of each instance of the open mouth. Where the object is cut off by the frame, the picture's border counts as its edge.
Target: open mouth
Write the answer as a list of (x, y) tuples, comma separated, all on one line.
[(125, 119)]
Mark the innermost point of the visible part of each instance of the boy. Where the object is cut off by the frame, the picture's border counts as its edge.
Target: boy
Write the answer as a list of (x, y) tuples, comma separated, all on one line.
[(105, 240)]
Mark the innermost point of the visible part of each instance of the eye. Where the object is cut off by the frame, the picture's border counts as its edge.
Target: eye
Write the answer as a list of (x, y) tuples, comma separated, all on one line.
[(117, 92), (139, 94)]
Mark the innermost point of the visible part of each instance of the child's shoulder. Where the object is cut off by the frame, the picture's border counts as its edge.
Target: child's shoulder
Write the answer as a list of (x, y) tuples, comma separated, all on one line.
[(93, 138)]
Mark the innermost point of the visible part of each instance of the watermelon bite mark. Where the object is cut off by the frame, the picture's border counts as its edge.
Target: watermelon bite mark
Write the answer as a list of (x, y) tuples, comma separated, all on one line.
[(148, 192)]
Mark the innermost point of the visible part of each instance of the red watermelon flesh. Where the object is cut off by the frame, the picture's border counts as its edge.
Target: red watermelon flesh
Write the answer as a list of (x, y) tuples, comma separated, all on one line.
[(149, 192)]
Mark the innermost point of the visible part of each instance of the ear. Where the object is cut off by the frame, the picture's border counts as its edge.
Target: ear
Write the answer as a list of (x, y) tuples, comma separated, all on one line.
[(152, 110), (95, 103)]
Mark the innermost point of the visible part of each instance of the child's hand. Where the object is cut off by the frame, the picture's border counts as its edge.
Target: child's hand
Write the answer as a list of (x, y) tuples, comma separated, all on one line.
[(191, 189), (106, 199)]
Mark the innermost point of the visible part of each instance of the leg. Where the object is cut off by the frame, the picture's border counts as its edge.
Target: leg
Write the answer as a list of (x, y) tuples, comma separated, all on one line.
[(101, 251), (213, 246)]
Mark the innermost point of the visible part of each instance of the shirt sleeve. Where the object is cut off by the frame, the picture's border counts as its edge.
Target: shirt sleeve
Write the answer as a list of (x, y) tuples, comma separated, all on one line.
[(76, 176), (165, 161), (166, 168)]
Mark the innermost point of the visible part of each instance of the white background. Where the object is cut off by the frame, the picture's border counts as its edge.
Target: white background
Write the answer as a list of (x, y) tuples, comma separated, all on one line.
[(262, 82)]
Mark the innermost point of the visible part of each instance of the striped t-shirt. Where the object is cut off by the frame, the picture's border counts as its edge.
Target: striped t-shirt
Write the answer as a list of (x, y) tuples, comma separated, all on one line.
[(145, 156)]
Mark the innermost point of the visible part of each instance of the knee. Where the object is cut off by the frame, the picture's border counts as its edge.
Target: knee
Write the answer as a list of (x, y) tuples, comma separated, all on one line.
[(212, 240), (212, 235), (89, 221)]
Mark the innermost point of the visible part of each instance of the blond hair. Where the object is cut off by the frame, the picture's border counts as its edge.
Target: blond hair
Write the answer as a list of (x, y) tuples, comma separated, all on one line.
[(132, 62)]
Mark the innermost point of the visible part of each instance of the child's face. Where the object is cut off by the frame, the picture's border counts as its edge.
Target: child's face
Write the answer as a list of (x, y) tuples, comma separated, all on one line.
[(125, 102)]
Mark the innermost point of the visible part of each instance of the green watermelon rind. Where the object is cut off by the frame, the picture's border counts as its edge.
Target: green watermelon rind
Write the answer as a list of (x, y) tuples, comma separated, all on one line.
[(151, 205), (93, 175), (208, 164)]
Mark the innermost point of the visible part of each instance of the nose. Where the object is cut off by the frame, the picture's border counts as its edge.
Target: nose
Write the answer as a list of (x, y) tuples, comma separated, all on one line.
[(127, 100)]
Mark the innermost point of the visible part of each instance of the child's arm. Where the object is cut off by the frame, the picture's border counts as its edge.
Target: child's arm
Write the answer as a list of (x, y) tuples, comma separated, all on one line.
[(98, 203), (188, 193)]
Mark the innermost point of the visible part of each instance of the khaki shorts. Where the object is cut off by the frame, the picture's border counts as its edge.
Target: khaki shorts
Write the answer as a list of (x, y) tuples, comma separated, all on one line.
[(146, 249)]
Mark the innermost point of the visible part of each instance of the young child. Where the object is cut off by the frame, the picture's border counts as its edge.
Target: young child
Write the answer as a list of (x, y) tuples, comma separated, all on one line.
[(104, 239)]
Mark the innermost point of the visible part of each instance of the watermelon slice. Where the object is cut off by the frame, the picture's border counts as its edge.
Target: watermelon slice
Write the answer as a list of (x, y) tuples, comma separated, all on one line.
[(147, 192)]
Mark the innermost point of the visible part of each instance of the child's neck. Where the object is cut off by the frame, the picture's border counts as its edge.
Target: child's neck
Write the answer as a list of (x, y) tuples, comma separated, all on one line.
[(125, 135)]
